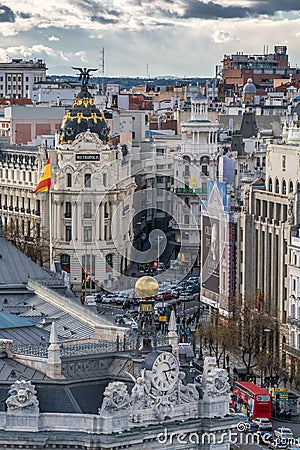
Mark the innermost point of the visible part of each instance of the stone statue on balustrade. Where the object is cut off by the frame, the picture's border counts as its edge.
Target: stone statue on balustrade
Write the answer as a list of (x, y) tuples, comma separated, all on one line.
[(22, 396)]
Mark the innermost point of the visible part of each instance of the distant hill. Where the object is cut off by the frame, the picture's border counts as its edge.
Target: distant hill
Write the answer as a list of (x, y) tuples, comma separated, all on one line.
[(128, 82)]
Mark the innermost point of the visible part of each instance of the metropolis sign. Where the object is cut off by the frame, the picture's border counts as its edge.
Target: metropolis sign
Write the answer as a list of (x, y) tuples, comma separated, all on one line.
[(81, 157)]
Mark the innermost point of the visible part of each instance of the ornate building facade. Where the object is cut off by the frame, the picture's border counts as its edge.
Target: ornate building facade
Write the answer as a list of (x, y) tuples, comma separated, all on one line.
[(194, 164), (91, 197)]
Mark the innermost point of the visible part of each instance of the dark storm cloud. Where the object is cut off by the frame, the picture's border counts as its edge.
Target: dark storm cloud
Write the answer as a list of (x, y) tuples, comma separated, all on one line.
[(6, 14), (211, 10), (103, 20), (24, 15)]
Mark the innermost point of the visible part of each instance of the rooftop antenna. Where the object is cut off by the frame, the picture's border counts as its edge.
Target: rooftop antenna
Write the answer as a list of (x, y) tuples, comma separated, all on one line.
[(148, 75), (102, 62)]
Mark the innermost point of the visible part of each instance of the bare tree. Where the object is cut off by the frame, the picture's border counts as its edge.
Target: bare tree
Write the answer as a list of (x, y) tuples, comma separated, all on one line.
[(34, 244)]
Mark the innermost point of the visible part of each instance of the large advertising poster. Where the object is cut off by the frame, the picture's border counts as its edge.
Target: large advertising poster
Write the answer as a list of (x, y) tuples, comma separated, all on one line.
[(210, 257)]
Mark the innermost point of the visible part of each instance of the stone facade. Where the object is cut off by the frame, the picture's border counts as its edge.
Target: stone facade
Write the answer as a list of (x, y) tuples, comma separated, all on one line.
[(147, 418)]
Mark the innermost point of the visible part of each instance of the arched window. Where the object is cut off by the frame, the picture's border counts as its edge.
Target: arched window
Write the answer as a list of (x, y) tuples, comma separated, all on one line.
[(277, 186), (186, 219), (292, 338), (270, 184), (291, 187), (109, 262), (284, 187)]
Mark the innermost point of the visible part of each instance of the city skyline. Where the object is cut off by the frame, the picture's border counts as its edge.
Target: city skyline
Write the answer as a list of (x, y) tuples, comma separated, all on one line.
[(167, 37)]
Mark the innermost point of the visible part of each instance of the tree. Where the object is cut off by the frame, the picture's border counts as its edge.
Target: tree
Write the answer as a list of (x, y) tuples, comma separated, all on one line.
[(218, 337), (34, 244)]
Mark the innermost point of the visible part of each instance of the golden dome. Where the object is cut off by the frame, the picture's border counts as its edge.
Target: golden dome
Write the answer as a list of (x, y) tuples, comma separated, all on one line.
[(146, 287)]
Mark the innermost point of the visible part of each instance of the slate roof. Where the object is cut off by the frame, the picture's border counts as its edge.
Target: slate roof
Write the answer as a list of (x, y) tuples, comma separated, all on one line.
[(12, 321), (15, 267)]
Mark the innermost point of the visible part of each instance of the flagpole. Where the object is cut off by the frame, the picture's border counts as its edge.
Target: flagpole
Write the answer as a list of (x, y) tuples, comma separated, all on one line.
[(50, 230)]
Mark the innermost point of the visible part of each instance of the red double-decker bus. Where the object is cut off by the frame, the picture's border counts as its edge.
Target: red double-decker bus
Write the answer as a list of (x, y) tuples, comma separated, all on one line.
[(251, 400)]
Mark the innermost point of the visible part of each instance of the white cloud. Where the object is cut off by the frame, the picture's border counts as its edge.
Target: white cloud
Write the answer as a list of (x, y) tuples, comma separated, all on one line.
[(81, 55), (221, 36), (53, 38)]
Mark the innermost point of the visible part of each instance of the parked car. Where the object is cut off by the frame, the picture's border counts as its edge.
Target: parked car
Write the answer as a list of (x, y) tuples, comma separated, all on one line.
[(284, 433), (120, 299), (109, 298), (264, 424), (277, 444), (90, 300), (129, 321), (193, 279), (252, 427), (185, 296), (119, 319)]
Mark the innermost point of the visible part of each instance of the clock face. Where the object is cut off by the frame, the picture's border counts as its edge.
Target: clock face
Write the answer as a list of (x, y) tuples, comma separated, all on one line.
[(165, 371)]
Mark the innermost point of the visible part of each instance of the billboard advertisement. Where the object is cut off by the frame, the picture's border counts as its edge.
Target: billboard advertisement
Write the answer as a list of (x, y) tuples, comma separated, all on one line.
[(210, 254)]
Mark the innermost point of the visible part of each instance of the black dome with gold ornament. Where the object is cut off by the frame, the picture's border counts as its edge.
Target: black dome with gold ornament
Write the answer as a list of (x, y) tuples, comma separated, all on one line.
[(84, 115)]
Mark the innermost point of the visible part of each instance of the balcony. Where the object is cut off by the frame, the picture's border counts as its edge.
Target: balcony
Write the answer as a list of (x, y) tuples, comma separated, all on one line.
[(22, 210), (190, 191), (291, 350)]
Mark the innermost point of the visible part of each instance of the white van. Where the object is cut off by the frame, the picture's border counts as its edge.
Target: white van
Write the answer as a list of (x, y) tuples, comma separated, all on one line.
[(90, 300)]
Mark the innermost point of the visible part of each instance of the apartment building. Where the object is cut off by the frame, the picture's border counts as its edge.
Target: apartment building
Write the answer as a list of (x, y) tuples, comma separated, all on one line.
[(18, 76)]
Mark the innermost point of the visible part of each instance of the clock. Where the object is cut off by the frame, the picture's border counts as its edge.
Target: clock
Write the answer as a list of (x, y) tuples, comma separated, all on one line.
[(165, 371)]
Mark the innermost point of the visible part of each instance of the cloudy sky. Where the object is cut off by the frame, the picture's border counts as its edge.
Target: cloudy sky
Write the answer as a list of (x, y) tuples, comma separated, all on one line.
[(172, 37)]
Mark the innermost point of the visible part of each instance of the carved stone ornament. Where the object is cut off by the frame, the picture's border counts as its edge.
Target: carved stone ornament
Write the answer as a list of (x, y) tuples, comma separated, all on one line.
[(214, 380), (158, 393), (290, 212), (116, 397), (87, 136), (246, 200), (22, 396)]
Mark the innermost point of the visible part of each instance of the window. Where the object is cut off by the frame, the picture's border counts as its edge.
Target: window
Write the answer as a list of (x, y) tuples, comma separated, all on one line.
[(87, 234), (159, 180), (160, 151), (205, 170), (283, 162), (87, 210), (104, 179), (68, 212), (88, 180), (284, 187), (69, 180), (277, 186), (270, 185), (291, 188), (109, 261), (68, 233), (186, 170), (65, 262)]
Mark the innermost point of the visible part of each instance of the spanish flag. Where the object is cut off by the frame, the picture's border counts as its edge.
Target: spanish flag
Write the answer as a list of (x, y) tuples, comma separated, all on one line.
[(45, 179)]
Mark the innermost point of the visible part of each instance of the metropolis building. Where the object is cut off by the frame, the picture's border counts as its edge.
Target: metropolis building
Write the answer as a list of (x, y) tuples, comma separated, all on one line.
[(91, 197)]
